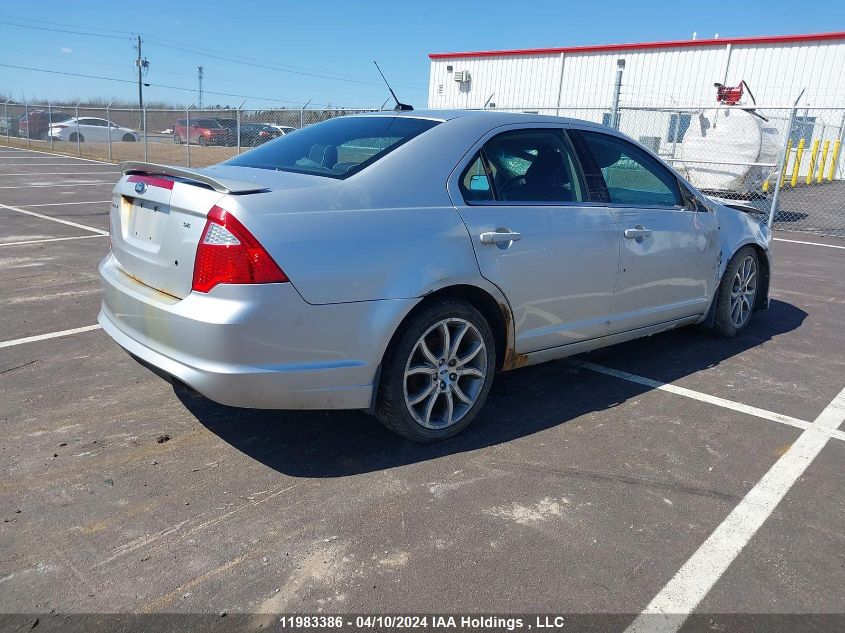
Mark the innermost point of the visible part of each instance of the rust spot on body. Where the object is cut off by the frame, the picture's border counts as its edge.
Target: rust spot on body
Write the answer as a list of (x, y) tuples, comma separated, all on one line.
[(514, 360)]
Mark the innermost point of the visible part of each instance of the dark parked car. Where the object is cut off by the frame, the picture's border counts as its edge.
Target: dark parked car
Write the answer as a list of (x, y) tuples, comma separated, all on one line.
[(231, 126), (253, 134), (36, 123), (201, 132)]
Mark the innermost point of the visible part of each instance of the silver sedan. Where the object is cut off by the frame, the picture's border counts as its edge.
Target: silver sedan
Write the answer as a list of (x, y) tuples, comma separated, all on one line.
[(395, 262)]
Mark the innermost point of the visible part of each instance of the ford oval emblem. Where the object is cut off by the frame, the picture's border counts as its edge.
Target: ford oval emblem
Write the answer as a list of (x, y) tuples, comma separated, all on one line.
[(140, 187)]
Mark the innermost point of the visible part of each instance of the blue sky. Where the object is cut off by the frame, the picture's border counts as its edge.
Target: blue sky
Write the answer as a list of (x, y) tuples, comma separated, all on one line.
[(324, 50)]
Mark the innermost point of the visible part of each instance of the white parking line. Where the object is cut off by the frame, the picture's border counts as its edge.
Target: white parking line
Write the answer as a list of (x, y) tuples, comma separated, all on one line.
[(55, 154), (44, 337), (780, 239), (51, 165), (52, 219), (669, 609), (10, 157), (62, 173), (62, 184), (62, 204), (703, 397), (50, 239)]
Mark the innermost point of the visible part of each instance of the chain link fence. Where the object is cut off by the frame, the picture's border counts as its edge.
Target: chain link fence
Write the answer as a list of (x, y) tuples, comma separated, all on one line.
[(188, 137), (785, 162)]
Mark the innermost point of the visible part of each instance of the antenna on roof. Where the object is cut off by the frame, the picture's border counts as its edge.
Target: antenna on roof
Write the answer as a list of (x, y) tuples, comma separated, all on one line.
[(399, 105)]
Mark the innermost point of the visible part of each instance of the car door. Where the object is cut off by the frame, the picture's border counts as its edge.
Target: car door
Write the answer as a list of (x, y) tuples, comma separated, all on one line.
[(668, 248), (93, 130), (553, 254), (115, 132)]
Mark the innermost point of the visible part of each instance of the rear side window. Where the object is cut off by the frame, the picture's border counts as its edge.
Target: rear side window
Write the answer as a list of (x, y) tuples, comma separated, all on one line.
[(631, 175), (336, 148), (475, 183), (524, 166)]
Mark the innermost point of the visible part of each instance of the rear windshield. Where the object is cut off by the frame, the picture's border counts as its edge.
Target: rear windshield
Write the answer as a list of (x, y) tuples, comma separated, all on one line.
[(336, 148)]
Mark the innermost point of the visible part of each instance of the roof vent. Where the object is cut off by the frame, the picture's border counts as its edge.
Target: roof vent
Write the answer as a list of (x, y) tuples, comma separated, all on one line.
[(461, 76)]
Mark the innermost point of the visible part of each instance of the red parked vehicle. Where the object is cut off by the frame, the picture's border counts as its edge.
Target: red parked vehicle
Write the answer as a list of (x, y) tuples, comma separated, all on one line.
[(36, 123), (201, 132)]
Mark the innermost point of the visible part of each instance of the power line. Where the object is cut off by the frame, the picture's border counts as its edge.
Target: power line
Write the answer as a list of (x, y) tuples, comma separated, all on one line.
[(234, 59), (251, 60), (132, 81), (63, 24), (226, 58), (45, 28)]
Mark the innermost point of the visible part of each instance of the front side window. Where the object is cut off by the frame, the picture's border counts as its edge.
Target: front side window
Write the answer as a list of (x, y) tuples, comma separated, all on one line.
[(525, 166), (631, 175), (336, 148)]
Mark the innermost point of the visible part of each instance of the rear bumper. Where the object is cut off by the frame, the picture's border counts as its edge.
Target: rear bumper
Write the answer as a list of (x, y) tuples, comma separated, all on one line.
[(259, 346)]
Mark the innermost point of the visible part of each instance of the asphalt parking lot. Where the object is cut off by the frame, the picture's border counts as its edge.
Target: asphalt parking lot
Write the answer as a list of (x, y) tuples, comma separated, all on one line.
[(677, 472)]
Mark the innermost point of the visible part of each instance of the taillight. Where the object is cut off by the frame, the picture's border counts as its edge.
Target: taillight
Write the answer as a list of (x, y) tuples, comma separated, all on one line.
[(229, 254)]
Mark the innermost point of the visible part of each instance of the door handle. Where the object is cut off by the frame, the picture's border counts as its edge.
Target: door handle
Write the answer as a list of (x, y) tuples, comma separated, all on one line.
[(637, 233), (499, 237)]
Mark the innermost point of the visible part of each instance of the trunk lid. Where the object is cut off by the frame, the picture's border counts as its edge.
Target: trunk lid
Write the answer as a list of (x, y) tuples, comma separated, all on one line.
[(159, 212), (157, 218)]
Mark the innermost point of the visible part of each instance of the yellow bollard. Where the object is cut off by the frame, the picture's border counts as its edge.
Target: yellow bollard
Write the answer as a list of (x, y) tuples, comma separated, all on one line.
[(812, 167), (766, 186), (823, 162), (797, 167), (785, 161), (833, 159)]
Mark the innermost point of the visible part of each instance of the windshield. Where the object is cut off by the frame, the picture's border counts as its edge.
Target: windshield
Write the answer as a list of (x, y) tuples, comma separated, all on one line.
[(336, 148)]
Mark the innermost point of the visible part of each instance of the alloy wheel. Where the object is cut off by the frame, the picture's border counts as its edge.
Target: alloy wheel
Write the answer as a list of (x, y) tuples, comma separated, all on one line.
[(743, 292), (445, 373)]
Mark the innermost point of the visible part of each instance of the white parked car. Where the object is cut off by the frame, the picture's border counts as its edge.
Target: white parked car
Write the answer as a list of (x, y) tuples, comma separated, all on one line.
[(284, 129), (91, 129)]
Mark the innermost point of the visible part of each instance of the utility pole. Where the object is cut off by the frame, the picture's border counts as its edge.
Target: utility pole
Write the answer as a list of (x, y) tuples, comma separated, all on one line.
[(142, 64), (199, 78)]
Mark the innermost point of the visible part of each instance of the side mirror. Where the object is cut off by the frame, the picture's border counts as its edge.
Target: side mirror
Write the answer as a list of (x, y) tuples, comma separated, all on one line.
[(691, 201)]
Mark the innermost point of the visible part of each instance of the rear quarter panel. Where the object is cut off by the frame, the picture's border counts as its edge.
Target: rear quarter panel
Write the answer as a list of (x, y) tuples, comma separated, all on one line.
[(387, 232), (336, 255)]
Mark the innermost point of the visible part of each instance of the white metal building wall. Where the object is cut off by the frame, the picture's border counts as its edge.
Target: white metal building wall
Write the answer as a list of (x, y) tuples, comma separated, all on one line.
[(657, 75)]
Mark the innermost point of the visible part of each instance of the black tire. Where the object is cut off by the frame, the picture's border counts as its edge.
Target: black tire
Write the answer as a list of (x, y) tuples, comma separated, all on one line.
[(201, 141), (391, 409), (177, 139), (128, 138), (723, 323), (72, 138)]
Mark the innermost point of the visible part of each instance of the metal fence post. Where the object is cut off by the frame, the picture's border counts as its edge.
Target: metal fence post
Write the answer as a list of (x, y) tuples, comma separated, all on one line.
[(50, 124), (617, 89), (78, 147), (302, 114), (108, 126), (144, 117), (238, 117), (676, 134), (782, 158), (188, 132), (8, 125), (28, 125)]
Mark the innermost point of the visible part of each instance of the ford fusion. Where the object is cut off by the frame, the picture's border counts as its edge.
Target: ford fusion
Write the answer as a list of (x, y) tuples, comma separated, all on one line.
[(395, 262)]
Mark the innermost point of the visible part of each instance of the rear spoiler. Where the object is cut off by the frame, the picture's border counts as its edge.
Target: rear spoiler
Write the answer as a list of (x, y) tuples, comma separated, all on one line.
[(223, 185)]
